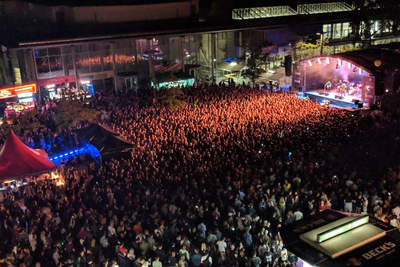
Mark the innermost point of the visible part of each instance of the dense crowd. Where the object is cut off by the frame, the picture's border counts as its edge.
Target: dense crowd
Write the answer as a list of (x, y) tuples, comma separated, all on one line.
[(38, 129), (208, 183)]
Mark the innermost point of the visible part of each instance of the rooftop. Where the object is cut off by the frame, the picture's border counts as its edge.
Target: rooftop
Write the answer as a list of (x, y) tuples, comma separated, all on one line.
[(99, 2)]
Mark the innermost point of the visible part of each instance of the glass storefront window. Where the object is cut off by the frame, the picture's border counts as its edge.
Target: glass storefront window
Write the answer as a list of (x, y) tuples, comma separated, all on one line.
[(337, 31), (346, 29), (55, 63), (327, 30), (82, 63), (54, 51), (42, 64), (388, 25), (69, 65)]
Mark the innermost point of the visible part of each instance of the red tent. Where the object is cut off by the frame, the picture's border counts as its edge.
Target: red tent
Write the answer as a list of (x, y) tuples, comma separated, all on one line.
[(17, 159)]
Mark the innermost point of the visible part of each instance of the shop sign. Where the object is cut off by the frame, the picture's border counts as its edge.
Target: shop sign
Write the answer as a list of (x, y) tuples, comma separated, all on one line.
[(12, 91), (56, 80), (387, 246)]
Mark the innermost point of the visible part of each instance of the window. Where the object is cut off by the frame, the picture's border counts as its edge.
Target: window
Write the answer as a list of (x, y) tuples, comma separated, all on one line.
[(337, 31), (346, 29), (55, 64), (327, 30), (388, 26), (54, 51), (41, 52), (42, 65)]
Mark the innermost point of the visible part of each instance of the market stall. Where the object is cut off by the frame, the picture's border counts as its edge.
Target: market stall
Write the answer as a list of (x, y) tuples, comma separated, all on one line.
[(18, 161), (19, 99)]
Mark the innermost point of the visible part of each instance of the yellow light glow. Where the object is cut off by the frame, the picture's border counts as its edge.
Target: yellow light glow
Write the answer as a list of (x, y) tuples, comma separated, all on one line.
[(321, 237)]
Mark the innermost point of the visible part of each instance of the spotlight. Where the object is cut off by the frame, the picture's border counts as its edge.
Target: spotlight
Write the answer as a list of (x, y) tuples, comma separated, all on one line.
[(309, 63), (360, 71), (339, 61), (319, 60), (327, 60), (349, 65)]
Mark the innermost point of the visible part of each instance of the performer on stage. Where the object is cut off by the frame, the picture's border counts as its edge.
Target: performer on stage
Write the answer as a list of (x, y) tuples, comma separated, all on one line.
[(328, 86), (342, 89)]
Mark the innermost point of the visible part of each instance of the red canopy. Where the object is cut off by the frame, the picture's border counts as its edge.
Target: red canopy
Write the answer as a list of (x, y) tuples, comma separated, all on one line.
[(17, 159)]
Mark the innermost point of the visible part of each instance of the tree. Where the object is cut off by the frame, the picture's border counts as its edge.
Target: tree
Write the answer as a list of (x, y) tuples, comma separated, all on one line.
[(27, 122), (70, 113), (255, 61)]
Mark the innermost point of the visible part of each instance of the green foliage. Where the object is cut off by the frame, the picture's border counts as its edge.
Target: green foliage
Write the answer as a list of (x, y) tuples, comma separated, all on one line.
[(69, 113), (27, 122), (255, 62)]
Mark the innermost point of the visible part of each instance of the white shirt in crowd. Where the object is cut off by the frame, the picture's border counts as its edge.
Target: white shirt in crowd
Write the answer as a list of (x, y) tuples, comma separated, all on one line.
[(298, 215), (221, 245)]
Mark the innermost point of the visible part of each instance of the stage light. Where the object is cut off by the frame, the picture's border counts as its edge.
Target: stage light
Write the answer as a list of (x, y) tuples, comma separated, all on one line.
[(319, 60), (306, 264), (309, 63), (339, 62), (321, 237), (377, 63), (349, 65), (360, 71), (86, 149), (327, 60)]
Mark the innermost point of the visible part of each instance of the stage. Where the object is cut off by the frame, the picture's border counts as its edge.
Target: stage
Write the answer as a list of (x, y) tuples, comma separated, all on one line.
[(336, 82), (320, 97)]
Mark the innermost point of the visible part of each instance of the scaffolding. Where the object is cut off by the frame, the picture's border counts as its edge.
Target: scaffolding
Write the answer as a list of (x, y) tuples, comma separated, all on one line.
[(284, 11)]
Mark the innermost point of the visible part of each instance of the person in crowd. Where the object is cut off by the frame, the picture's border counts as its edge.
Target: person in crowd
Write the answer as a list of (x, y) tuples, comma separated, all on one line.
[(208, 183)]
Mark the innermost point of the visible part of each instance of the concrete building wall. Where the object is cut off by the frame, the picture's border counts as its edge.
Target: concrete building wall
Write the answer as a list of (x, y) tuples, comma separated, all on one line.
[(18, 10), (116, 14)]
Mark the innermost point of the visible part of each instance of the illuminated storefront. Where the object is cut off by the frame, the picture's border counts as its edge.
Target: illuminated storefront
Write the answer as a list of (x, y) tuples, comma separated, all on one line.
[(18, 90), (19, 98), (172, 84)]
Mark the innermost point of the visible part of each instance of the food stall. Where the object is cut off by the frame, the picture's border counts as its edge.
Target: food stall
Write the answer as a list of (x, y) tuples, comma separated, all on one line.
[(19, 99)]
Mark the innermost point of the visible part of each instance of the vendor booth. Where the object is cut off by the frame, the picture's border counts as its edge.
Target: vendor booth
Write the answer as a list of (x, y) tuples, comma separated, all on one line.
[(17, 160), (19, 99)]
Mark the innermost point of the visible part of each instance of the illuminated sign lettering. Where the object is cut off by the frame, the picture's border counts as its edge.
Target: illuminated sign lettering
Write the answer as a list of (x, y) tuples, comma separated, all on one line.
[(342, 229), (17, 90), (379, 250)]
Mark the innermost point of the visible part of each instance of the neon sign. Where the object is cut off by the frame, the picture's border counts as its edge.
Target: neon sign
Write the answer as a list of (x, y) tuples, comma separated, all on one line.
[(17, 90)]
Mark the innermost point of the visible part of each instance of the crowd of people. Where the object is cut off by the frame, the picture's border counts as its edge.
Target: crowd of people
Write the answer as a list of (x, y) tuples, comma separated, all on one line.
[(38, 129), (208, 183)]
